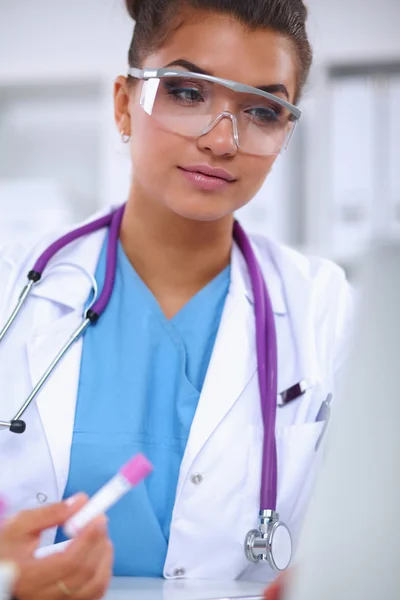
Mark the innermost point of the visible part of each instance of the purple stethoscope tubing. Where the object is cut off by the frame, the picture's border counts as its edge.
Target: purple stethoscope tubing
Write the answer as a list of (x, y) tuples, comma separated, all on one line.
[(111, 220), (267, 363), (265, 329)]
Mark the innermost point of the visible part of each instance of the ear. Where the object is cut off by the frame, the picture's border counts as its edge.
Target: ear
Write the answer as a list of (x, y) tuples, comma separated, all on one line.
[(121, 105)]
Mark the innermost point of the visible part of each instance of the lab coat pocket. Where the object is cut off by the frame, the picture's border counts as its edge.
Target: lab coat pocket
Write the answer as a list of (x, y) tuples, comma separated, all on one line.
[(297, 463)]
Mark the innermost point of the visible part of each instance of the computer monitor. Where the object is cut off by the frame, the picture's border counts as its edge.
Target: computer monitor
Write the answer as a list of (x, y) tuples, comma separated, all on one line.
[(350, 548)]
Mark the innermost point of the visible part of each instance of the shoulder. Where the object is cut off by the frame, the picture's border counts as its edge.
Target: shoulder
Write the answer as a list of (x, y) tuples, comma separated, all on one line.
[(329, 295), (27, 251), (16, 260), (323, 277), (312, 269)]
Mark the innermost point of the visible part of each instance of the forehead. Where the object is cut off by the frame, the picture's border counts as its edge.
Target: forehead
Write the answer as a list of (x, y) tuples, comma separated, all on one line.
[(221, 45)]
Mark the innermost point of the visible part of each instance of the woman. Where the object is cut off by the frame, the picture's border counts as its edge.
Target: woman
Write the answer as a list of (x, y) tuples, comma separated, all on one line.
[(170, 368)]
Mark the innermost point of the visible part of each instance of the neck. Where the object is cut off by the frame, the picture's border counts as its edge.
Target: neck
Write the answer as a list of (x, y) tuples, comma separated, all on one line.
[(172, 254)]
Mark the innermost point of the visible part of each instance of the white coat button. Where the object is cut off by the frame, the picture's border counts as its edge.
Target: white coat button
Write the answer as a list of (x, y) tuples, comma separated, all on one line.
[(179, 572), (197, 478), (41, 498)]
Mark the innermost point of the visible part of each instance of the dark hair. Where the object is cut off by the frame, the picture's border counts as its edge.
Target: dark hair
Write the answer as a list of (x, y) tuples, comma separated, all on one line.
[(156, 19)]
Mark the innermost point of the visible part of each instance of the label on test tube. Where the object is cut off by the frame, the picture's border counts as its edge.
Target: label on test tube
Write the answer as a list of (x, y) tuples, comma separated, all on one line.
[(129, 475)]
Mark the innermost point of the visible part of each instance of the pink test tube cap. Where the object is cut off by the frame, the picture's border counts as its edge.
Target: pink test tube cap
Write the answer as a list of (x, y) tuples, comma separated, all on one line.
[(3, 507), (136, 469)]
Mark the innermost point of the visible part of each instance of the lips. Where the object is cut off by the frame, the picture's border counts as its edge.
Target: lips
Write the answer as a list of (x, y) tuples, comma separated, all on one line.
[(210, 172), (207, 179)]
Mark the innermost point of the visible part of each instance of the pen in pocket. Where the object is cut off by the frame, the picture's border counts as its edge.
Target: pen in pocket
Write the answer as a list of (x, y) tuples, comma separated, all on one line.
[(323, 416)]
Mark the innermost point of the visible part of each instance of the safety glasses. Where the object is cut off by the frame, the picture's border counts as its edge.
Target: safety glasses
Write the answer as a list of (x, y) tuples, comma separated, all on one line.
[(192, 104)]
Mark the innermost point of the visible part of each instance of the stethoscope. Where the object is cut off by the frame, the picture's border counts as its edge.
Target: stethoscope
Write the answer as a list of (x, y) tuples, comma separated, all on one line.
[(271, 542)]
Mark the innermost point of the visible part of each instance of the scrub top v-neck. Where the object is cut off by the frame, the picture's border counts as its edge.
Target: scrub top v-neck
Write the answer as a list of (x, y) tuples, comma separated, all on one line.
[(140, 382)]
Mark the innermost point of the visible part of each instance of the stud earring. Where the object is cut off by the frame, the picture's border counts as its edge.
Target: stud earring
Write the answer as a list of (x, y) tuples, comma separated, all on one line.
[(124, 137)]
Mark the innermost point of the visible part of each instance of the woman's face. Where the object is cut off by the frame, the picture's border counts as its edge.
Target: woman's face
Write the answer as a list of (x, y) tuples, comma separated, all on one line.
[(162, 160)]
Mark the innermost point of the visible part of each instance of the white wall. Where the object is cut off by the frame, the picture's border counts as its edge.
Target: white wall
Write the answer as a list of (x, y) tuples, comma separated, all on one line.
[(46, 36), (347, 30), (45, 41), (42, 38)]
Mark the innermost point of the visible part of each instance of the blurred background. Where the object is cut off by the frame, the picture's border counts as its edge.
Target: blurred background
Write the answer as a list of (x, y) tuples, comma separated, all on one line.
[(61, 157)]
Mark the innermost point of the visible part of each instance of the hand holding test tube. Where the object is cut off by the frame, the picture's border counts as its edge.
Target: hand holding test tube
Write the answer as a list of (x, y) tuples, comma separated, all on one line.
[(132, 473)]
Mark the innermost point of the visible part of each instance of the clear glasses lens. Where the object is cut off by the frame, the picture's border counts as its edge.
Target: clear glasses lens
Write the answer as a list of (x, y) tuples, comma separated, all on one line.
[(188, 107)]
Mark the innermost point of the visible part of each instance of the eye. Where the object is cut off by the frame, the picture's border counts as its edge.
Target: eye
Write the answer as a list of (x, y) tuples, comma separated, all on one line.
[(265, 115), (184, 93)]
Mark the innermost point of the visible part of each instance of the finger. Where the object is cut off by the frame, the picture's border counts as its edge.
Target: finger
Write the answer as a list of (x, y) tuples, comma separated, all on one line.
[(84, 562), (87, 536), (75, 503), (77, 556), (276, 589), (273, 592), (64, 565), (35, 581), (97, 586), (91, 589), (42, 574), (32, 522)]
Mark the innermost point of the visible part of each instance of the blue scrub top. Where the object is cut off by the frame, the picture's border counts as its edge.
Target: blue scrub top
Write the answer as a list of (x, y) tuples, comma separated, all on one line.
[(140, 382)]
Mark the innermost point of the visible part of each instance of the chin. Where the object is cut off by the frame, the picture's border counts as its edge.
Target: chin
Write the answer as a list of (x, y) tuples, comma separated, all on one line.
[(200, 206), (204, 213)]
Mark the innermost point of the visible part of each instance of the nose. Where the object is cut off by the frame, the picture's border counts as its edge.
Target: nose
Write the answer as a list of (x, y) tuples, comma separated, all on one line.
[(221, 136)]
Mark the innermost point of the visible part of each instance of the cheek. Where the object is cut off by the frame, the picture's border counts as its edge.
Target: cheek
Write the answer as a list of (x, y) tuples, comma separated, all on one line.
[(151, 149), (254, 170)]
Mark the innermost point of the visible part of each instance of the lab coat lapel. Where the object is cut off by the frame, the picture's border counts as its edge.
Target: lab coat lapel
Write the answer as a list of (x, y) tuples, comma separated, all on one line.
[(56, 401), (59, 306), (234, 359), (297, 352), (232, 365), (233, 362), (291, 370)]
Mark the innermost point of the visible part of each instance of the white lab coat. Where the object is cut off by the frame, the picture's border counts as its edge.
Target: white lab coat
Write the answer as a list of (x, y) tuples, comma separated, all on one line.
[(311, 302)]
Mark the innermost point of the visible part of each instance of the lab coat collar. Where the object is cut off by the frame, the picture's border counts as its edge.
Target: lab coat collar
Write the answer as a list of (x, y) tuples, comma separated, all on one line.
[(77, 263), (70, 287)]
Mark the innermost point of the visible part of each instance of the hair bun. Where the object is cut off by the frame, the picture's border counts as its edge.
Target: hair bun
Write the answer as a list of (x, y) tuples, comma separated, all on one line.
[(133, 7)]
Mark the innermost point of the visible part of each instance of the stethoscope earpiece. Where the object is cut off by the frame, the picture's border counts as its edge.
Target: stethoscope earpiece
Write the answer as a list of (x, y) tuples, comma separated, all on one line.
[(17, 426)]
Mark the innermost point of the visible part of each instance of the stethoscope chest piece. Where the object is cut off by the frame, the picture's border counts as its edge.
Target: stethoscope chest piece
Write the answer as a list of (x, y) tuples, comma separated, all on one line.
[(270, 543)]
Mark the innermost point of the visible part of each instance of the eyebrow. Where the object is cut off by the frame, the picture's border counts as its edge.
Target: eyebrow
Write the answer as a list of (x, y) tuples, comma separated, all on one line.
[(274, 88)]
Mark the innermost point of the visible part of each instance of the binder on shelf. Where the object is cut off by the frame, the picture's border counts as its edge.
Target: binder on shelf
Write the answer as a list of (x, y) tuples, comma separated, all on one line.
[(352, 164)]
